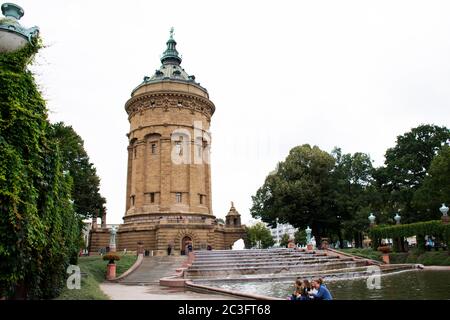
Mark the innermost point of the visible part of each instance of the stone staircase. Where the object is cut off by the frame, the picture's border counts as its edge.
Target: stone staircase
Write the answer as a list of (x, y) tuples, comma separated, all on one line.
[(154, 268), (281, 263)]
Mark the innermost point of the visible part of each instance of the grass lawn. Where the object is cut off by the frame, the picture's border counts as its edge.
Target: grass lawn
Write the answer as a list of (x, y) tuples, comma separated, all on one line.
[(363, 252), (427, 258), (93, 272)]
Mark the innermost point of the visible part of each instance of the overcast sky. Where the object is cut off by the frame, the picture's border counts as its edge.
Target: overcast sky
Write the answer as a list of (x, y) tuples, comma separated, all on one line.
[(353, 74)]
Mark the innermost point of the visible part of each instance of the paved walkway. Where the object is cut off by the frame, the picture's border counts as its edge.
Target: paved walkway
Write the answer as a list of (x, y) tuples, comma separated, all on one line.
[(440, 268), (154, 268), (143, 284), (117, 291)]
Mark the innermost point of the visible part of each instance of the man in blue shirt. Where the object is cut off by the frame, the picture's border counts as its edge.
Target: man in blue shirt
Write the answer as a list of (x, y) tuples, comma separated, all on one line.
[(322, 291)]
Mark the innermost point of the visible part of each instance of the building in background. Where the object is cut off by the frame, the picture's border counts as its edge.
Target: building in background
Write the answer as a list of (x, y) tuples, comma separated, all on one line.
[(280, 230)]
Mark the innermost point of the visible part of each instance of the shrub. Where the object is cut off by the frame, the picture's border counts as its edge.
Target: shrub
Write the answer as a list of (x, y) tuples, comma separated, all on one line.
[(419, 229)]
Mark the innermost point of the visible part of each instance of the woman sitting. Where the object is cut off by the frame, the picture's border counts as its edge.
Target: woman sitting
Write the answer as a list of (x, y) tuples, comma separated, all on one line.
[(297, 291), (302, 290), (322, 291)]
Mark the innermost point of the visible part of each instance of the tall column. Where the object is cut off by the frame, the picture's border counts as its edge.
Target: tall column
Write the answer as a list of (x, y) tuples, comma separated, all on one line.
[(166, 175), (129, 177), (140, 168)]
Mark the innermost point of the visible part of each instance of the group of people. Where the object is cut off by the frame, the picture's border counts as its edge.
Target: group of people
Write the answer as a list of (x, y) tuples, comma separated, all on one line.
[(314, 290)]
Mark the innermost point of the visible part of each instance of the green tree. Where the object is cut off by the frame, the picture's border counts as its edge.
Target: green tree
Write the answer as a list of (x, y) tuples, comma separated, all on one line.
[(300, 237), (257, 235), (435, 188), (39, 231), (86, 184), (353, 191), (284, 240), (407, 164), (299, 191)]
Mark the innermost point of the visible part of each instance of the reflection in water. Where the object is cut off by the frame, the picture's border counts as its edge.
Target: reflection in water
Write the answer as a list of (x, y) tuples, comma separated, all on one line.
[(416, 284)]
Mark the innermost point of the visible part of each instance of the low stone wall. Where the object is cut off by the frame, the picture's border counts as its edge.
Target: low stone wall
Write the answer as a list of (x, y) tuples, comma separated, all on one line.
[(136, 265), (355, 258)]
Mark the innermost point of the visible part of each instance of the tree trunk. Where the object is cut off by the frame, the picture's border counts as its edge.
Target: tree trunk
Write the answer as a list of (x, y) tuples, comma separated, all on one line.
[(356, 238), (341, 241), (316, 233)]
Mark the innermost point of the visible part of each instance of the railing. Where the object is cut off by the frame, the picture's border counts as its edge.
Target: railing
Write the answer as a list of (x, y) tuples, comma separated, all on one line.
[(186, 220)]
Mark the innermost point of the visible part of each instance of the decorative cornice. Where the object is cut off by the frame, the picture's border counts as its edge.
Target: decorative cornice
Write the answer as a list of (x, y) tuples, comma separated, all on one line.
[(165, 138), (166, 100)]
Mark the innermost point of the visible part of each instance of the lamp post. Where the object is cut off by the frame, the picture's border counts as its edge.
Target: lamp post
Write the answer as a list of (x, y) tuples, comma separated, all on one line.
[(444, 211), (13, 36), (397, 218), (371, 219), (399, 243)]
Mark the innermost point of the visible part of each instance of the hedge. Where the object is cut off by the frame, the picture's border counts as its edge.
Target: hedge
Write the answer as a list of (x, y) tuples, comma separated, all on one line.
[(420, 229)]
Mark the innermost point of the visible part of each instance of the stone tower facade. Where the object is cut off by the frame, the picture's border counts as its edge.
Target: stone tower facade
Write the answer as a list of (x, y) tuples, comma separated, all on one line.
[(168, 191)]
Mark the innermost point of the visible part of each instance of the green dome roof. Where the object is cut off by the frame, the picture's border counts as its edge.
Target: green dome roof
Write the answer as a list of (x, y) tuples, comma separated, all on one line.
[(170, 68)]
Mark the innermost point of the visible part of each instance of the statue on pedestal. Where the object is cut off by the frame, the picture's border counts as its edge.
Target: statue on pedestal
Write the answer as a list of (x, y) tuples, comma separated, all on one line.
[(112, 239)]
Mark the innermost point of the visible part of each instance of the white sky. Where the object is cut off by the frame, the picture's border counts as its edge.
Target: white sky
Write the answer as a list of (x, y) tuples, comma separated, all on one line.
[(353, 74)]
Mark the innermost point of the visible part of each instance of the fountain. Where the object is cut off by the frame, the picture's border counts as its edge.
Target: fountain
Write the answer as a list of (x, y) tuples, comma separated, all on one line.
[(263, 268)]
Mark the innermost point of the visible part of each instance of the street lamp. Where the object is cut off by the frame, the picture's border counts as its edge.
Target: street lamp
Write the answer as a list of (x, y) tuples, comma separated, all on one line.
[(444, 210), (371, 219), (397, 218), (13, 36)]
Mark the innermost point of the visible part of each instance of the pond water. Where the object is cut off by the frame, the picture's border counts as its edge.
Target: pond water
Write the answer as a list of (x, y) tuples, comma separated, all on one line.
[(417, 284)]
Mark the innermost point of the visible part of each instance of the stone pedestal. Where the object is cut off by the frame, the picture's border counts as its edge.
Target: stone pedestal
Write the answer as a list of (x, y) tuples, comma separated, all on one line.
[(111, 271), (385, 257), (324, 245), (445, 219), (309, 247)]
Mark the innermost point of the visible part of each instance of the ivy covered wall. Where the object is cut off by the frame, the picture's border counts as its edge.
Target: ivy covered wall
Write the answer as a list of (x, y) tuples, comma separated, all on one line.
[(39, 230)]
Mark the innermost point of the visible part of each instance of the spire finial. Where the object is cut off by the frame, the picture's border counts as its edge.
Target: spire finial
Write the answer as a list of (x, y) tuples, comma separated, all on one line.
[(171, 53)]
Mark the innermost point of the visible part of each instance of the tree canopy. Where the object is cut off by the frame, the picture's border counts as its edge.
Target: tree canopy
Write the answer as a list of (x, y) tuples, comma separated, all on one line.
[(257, 235), (299, 191), (335, 192), (86, 184), (407, 164)]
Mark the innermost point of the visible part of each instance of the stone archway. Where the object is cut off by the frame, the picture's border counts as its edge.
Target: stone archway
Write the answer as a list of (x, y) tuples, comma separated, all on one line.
[(238, 244), (184, 242), (185, 233)]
